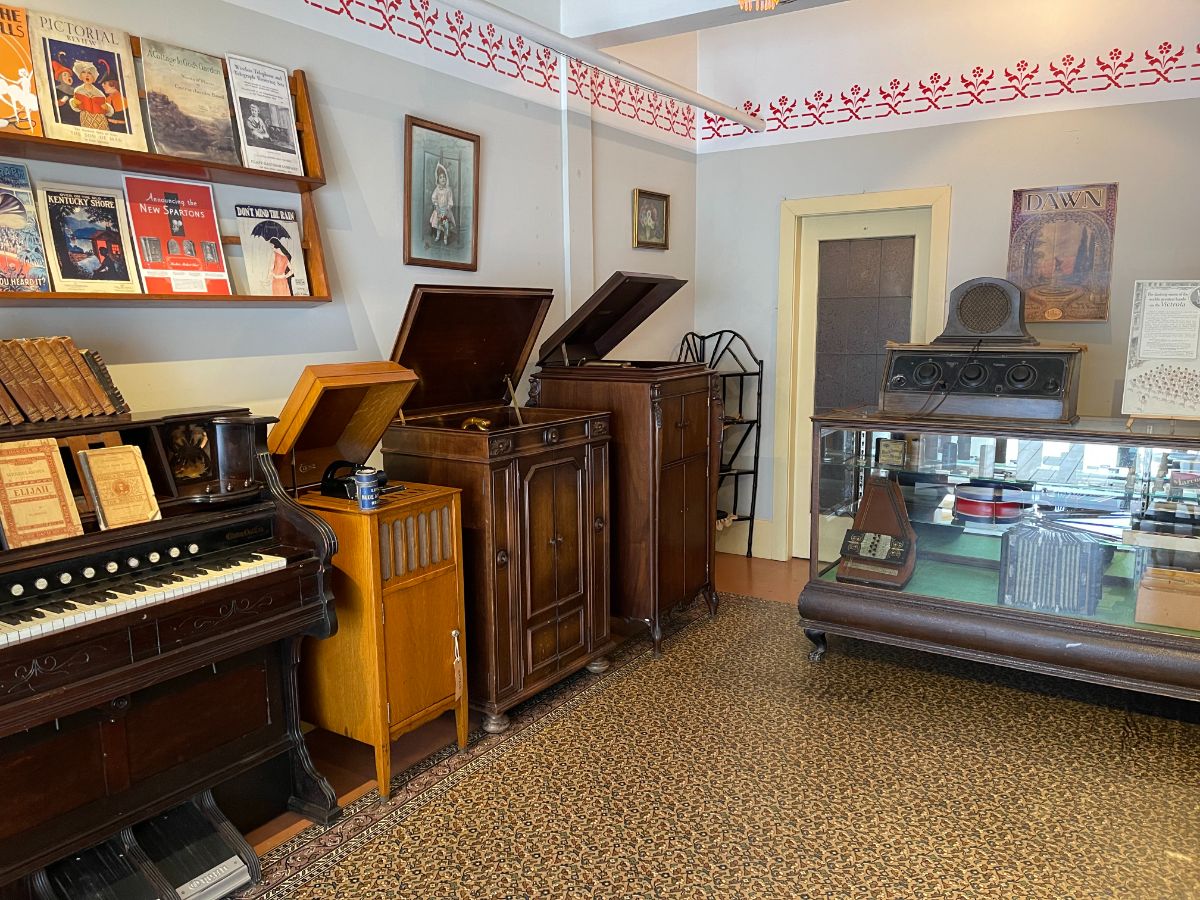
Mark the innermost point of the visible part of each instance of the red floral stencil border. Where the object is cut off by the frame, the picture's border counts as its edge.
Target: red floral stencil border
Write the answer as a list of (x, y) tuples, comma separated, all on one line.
[(1117, 69), (452, 33)]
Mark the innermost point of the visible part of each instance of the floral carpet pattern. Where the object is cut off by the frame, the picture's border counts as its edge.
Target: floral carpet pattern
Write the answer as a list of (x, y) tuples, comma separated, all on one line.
[(732, 767)]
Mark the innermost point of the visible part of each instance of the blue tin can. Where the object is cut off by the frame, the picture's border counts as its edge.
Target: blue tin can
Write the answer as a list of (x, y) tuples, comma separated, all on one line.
[(366, 487)]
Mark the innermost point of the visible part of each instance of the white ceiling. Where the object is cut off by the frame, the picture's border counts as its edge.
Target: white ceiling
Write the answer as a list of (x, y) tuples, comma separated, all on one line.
[(606, 23)]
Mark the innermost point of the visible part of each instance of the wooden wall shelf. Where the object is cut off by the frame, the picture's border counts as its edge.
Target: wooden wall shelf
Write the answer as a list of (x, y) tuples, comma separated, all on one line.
[(43, 149), (64, 299)]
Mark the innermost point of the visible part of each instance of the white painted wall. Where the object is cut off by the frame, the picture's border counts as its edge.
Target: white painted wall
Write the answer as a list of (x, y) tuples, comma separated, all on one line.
[(1149, 149), (164, 357)]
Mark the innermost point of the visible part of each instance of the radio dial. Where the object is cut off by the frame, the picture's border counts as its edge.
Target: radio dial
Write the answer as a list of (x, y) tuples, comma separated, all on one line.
[(898, 381), (927, 373), (1021, 376), (972, 375)]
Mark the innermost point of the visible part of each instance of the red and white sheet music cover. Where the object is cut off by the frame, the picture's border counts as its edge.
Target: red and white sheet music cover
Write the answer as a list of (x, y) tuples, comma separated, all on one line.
[(175, 231)]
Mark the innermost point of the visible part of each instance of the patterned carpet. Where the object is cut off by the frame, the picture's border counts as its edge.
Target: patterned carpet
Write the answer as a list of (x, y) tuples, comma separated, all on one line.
[(732, 767)]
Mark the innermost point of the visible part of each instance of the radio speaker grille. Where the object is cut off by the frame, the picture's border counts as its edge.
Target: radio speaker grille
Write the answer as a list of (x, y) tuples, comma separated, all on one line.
[(984, 308)]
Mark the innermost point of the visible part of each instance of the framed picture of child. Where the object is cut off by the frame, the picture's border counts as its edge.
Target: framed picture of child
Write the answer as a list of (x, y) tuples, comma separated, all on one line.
[(651, 220), (441, 196)]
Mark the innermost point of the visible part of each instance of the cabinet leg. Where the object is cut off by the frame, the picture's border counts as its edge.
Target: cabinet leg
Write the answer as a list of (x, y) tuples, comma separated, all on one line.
[(711, 598), (819, 642), (598, 665), (461, 722), (496, 723), (383, 770), (656, 635)]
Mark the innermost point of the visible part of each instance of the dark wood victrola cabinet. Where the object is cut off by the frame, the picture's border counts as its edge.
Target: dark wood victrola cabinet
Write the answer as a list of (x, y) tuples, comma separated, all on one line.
[(535, 502), (666, 419)]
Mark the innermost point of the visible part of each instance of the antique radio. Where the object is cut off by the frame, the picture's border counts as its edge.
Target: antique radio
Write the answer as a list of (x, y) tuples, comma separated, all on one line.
[(666, 444), (396, 660), (535, 490), (881, 548), (983, 365)]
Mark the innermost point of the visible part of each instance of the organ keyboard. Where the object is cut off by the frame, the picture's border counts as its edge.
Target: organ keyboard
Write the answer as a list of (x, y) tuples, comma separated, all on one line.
[(144, 665)]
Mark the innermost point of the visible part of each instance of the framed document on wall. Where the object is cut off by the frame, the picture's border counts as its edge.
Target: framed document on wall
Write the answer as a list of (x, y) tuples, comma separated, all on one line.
[(1162, 371), (441, 196)]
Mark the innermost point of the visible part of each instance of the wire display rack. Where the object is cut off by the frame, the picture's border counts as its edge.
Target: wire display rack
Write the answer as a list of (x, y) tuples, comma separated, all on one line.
[(741, 372)]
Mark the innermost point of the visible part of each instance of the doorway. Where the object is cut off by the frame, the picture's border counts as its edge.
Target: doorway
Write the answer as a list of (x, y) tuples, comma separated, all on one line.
[(854, 272)]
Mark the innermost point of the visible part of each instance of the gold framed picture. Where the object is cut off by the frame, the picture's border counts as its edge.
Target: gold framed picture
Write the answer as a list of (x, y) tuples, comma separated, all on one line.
[(651, 220)]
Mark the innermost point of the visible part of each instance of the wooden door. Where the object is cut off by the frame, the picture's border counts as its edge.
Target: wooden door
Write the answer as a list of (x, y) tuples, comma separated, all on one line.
[(672, 426), (419, 621), (696, 525), (672, 538), (554, 506), (693, 425)]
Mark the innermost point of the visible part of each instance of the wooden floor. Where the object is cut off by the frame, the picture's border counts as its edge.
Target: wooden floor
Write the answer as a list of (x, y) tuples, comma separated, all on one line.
[(350, 766)]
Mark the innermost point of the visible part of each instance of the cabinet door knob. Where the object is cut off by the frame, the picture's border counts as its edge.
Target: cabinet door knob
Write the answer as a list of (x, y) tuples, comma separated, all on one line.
[(599, 523), (556, 540), (502, 558), (550, 436), (684, 424)]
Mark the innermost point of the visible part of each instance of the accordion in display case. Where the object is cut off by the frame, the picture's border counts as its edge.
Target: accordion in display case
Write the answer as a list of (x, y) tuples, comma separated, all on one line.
[(1051, 568)]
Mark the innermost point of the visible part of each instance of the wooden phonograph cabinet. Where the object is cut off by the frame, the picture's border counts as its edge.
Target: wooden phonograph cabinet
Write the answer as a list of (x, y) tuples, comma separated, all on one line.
[(535, 503), (666, 446), (396, 661)]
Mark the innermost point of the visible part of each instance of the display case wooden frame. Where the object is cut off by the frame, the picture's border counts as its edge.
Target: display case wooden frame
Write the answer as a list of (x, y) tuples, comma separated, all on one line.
[(1086, 649), (44, 149)]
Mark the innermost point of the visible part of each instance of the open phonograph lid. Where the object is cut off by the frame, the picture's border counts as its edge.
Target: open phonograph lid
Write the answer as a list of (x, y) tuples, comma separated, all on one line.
[(336, 411), (610, 315), (465, 342)]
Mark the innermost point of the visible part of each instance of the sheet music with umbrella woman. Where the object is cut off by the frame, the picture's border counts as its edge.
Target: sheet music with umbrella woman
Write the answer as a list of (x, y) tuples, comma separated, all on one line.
[(271, 247)]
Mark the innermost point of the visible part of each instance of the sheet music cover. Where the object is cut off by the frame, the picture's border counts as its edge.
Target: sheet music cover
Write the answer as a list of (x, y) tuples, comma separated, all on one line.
[(178, 243), (18, 97), (271, 248), (120, 486), (87, 231), (36, 505), (22, 257), (187, 103), (262, 102), (86, 86)]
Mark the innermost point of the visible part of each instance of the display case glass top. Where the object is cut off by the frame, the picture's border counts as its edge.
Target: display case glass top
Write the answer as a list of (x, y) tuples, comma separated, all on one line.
[(1092, 522)]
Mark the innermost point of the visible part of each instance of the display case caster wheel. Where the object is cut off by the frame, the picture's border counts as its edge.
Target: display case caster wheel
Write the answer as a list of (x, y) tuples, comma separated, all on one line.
[(656, 637), (598, 665), (819, 642), (496, 723)]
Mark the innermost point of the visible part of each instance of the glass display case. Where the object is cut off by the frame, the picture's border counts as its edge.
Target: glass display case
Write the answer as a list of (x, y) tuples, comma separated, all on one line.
[(1066, 549)]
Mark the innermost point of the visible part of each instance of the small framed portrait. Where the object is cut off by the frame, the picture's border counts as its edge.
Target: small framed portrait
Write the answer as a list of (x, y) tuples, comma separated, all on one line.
[(441, 196), (651, 219)]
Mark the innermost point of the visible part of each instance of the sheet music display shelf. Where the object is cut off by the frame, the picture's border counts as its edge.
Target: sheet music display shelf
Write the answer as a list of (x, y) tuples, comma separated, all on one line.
[(397, 573), (666, 440), (729, 354), (29, 147), (1142, 632), (535, 503)]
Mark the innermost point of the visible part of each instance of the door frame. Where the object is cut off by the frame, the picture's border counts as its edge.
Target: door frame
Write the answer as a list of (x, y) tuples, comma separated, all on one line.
[(778, 537)]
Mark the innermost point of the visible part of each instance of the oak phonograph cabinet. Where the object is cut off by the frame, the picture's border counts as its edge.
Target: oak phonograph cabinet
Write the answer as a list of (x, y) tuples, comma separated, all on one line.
[(665, 449), (396, 660), (535, 503)]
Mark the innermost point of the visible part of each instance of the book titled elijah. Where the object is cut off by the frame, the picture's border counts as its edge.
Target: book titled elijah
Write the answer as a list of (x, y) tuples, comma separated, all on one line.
[(86, 85), (119, 485), (36, 505)]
